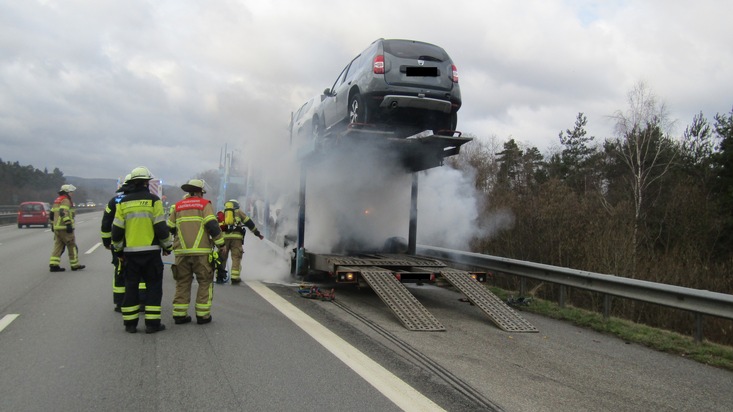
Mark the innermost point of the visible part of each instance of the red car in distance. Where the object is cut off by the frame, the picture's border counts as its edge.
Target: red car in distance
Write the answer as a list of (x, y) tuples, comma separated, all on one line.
[(33, 213)]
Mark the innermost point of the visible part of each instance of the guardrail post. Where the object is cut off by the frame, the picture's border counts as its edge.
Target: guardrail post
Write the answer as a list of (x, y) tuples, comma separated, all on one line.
[(561, 301), (606, 306), (522, 286), (698, 327)]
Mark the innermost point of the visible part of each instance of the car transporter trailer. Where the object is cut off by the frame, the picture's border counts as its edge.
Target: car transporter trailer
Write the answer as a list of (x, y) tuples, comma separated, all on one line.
[(385, 273)]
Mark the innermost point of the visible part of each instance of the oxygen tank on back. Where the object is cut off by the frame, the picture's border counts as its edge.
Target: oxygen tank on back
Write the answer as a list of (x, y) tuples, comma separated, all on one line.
[(228, 213)]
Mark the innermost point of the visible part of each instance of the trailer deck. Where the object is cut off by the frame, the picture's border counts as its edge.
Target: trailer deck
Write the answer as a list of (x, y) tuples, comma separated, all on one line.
[(415, 153), (386, 273)]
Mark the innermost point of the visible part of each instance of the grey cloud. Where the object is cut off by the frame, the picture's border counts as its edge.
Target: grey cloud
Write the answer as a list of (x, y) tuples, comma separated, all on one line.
[(168, 84)]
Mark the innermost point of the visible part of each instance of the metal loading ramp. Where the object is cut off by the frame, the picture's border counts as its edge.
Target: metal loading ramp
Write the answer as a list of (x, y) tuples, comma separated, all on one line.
[(499, 312), (412, 314)]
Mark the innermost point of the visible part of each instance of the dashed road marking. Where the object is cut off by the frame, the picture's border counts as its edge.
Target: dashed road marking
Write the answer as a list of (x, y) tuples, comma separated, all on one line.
[(93, 248), (5, 321)]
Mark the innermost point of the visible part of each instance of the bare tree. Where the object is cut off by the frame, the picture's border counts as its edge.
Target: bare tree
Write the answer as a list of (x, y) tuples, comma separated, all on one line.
[(478, 158), (643, 146)]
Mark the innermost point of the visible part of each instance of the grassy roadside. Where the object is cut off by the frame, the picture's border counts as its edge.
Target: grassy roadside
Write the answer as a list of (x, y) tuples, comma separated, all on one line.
[(657, 339)]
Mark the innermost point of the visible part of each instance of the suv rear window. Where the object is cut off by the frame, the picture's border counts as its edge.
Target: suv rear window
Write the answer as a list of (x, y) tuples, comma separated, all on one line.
[(31, 207), (413, 50)]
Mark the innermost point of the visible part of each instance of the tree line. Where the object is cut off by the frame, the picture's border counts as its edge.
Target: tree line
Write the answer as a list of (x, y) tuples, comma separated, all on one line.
[(642, 204), (22, 183)]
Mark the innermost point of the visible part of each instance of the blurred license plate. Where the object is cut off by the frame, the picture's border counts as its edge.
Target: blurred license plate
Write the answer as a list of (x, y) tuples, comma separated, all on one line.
[(421, 71), (27, 215)]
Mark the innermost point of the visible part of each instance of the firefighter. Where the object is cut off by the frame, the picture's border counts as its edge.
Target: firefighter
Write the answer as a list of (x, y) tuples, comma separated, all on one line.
[(62, 221), (118, 281), (234, 224), (197, 231), (139, 232)]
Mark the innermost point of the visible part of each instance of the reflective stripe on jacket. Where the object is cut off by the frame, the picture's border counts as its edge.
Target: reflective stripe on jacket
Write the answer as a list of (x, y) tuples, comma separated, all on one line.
[(196, 227), (241, 220), (63, 212), (108, 217), (139, 223)]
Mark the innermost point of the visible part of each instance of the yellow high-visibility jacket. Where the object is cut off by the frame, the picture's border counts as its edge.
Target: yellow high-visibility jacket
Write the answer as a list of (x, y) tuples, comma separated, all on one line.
[(139, 224)]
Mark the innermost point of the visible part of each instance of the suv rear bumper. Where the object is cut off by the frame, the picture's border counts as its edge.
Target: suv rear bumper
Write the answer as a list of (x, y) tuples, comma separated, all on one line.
[(392, 101)]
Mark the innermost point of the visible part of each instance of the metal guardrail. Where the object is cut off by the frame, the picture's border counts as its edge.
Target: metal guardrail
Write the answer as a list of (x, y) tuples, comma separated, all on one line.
[(9, 213), (8, 209), (699, 302)]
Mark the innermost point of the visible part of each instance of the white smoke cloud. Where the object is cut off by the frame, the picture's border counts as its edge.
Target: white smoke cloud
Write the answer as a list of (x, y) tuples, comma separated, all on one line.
[(448, 209), (358, 196)]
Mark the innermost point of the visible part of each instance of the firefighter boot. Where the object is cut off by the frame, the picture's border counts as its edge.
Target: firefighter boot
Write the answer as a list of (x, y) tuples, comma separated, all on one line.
[(56, 268), (221, 276), (154, 328), (79, 267), (180, 320), (202, 321)]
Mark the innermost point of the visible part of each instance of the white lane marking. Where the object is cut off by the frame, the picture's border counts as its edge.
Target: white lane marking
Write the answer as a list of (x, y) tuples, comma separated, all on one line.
[(394, 388), (5, 321), (93, 248)]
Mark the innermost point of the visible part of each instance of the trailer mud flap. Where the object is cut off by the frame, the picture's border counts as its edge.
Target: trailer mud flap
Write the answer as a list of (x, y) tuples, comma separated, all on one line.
[(412, 314), (499, 312)]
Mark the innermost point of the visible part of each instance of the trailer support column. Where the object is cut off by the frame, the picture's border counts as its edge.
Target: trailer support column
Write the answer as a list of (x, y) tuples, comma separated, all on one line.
[(412, 237), (300, 251)]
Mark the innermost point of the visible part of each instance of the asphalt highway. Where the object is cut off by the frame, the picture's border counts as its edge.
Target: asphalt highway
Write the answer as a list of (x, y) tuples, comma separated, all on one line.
[(62, 347)]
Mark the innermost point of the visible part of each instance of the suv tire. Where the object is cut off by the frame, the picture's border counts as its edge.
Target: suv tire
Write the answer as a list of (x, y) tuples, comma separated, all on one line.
[(357, 109), (317, 129)]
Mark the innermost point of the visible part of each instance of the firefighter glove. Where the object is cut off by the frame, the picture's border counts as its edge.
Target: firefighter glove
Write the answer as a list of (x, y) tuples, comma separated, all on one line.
[(260, 236), (69, 229)]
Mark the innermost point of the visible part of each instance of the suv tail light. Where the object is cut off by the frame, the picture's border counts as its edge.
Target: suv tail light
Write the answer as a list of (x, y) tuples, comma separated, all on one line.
[(454, 73), (379, 64)]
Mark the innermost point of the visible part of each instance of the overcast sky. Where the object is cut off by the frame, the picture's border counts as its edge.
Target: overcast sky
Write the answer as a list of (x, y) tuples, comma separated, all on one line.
[(98, 87)]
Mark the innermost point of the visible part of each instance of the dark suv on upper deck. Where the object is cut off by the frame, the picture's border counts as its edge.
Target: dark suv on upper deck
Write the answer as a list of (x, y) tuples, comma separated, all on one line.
[(407, 85)]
